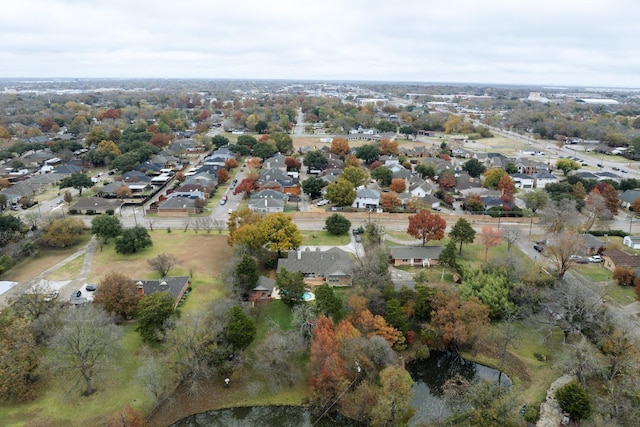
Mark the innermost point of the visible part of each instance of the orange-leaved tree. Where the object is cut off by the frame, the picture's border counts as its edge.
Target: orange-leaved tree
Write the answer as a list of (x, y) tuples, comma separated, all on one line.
[(398, 185), (458, 322), (426, 226), (329, 375), (489, 237)]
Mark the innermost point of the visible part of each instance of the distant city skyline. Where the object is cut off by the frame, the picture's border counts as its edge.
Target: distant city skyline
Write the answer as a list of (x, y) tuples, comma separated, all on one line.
[(544, 43)]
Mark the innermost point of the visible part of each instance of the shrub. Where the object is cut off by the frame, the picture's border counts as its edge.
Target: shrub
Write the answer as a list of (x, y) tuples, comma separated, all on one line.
[(110, 212), (617, 233), (624, 276)]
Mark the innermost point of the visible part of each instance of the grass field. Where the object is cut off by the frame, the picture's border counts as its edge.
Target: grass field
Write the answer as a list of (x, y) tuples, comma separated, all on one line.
[(323, 238)]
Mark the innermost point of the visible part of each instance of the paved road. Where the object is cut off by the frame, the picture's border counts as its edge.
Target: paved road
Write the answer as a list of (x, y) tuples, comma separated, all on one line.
[(299, 127)]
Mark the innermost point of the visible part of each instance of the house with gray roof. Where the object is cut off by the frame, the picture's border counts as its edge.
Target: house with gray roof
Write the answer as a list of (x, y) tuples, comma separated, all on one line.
[(263, 290), (627, 197), (179, 206), (95, 204), (366, 198), (415, 256), (332, 266), (176, 286), (267, 205)]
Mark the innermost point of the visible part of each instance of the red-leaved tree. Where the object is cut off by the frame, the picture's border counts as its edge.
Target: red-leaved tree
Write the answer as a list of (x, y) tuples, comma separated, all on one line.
[(426, 226), (489, 237)]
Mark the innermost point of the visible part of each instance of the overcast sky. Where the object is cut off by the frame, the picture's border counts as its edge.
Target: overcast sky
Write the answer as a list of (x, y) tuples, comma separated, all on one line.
[(548, 42)]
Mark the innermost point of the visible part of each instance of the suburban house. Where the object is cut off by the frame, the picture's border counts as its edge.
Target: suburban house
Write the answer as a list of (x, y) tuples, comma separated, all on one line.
[(95, 204), (366, 198), (632, 241), (544, 178), (332, 266), (275, 162), (592, 244), (176, 286), (616, 258), (179, 206), (263, 289), (415, 256), (522, 181), (418, 187), (267, 205), (627, 197), (278, 180)]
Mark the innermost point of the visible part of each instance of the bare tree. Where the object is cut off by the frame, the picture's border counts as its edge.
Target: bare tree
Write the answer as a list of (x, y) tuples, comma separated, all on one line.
[(187, 224), (561, 250), (155, 377), (560, 215), (511, 235), (85, 344), (151, 221), (163, 263), (219, 225), (33, 219), (33, 302), (597, 212), (275, 358)]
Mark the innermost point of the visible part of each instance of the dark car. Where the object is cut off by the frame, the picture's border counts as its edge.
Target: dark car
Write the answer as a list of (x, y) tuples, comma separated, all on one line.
[(90, 288), (538, 248)]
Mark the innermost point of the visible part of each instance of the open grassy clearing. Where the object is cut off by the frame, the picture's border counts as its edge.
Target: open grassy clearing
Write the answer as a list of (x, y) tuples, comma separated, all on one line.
[(69, 271), (621, 295), (323, 238)]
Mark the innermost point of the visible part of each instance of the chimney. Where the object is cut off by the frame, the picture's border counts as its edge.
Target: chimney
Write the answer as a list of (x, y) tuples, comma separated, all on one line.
[(163, 284), (139, 289)]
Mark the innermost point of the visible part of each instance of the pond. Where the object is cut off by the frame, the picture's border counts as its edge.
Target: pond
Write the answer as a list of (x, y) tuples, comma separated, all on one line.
[(428, 376)]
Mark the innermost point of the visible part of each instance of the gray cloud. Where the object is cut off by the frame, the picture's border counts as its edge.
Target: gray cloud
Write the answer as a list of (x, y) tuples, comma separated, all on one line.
[(538, 42)]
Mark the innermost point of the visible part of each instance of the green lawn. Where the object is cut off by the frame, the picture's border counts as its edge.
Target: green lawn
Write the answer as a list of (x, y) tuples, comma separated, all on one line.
[(594, 272), (323, 238), (622, 295)]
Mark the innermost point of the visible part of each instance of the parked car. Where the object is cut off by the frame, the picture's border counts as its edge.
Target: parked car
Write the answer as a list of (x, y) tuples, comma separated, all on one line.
[(91, 288), (322, 202), (615, 168), (538, 248), (51, 296), (595, 259)]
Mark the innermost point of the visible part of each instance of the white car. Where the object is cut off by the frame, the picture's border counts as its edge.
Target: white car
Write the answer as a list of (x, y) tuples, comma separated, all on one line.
[(51, 296), (595, 259), (322, 202)]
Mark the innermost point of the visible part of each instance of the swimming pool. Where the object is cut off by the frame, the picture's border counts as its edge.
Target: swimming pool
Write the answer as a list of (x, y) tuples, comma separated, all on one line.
[(307, 296)]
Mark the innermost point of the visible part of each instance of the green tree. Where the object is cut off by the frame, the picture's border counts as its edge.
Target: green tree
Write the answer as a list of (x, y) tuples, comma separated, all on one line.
[(337, 224), (395, 316), (393, 407), (106, 227), (219, 141), (511, 168), (262, 126), (383, 175), (315, 160), (313, 186), (355, 175), (367, 152), (492, 177), (536, 199), (247, 274), (133, 240), (280, 233), (327, 302), (264, 150), (290, 284), (567, 165), (283, 142), (462, 232), (448, 256), (422, 302), (474, 167), (426, 171), (153, 313), (574, 399), (341, 192), (78, 180), (492, 288), (247, 141), (408, 130), (241, 329), (386, 126)]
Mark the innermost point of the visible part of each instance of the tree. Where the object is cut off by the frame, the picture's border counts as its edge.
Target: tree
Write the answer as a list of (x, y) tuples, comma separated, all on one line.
[(280, 233), (388, 147), (610, 195), (567, 165), (64, 232), (635, 206), (506, 188), (84, 344), (490, 287), (561, 249), (511, 168), (313, 186), (536, 199), (389, 201), (222, 175), (264, 150), (67, 197), (426, 171), (447, 179), (246, 274), (327, 302), (340, 146), (162, 263), (3, 201), (355, 175), (368, 153), (596, 212), (106, 227), (462, 232), (261, 126), (560, 215), (154, 311), (426, 226), (315, 160), (220, 141), (492, 177), (458, 322), (408, 130), (133, 240), (291, 286), (240, 330), (278, 356), (247, 141), (239, 218), (328, 371), (398, 185), (383, 175), (489, 237), (117, 294), (393, 407), (247, 185), (337, 224), (474, 167), (341, 192), (511, 235), (19, 360), (78, 180), (283, 142), (574, 399)]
